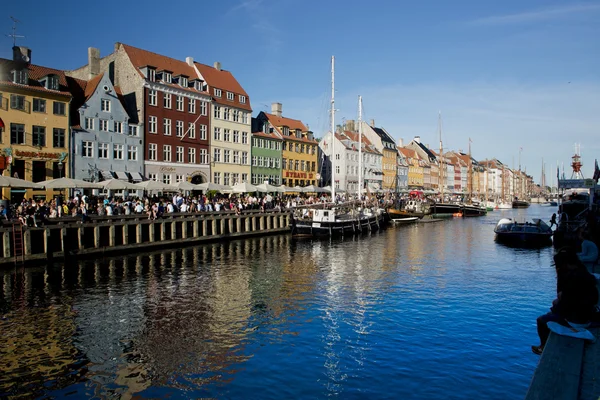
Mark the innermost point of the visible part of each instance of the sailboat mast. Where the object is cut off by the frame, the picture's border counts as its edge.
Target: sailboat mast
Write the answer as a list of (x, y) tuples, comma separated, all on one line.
[(332, 128), (470, 174), (442, 166), (360, 167)]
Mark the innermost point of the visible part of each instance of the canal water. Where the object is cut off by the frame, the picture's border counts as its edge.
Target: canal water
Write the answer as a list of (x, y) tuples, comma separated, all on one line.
[(435, 310)]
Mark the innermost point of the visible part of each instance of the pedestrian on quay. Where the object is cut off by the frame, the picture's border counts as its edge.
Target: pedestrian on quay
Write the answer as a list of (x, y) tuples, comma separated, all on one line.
[(553, 221), (589, 251)]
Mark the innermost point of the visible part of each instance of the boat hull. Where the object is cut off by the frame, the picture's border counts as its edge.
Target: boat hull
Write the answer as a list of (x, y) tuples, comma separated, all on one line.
[(445, 210), (394, 213), (520, 204), (472, 211), (524, 239), (344, 227)]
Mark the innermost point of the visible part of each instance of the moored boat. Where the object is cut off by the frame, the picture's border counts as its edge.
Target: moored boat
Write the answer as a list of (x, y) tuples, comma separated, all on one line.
[(520, 203), (445, 209), (536, 233), (335, 222), (473, 211)]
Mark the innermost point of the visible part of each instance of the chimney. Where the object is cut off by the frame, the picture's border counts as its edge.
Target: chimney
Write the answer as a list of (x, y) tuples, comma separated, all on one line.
[(418, 139), (22, 54), (401, 142), (349, 125), (189, 61), (93, 62), (217, 65), (117, 45), (276, 109)]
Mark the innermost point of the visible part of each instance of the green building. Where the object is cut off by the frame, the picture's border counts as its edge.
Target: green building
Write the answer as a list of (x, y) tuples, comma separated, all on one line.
[(265, 154)]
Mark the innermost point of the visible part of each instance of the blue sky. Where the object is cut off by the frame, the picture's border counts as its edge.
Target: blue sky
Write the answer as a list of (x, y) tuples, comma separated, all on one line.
[(507, 74)]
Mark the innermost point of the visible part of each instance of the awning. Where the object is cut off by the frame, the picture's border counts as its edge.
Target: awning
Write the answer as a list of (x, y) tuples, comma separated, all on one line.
[(136, 176), (122, 175), (106, 175)]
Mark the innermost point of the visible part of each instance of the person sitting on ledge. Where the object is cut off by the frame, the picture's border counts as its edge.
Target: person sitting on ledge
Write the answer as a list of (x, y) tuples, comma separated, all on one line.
[(577, 296), (589, 251)]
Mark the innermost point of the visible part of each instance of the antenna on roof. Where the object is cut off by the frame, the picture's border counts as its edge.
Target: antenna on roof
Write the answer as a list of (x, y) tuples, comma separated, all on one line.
[(14, 35)]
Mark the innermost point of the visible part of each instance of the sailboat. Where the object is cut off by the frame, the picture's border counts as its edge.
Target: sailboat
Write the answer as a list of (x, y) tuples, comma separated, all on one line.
[(337, 220)]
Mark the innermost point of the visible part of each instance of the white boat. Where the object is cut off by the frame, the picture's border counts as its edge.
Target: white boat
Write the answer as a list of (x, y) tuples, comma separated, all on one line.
[(406, 220), (504, 206)]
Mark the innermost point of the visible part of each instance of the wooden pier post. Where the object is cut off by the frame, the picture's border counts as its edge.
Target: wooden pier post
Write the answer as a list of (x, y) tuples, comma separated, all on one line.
[(174, 229), (138, 233), (214, 226), (97, 237), (112, 235), (196, 228), (184, 229), (6, 244), (151, 232), (238, 224), (125, 234), (230, 221), (163, 231), (27, 242), (261, 222), (81, 237), (268, 222)]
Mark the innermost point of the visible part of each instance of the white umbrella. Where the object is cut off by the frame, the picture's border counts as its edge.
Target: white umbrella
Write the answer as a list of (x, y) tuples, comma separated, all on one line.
[(212, 186), (298, 189), (243, 187), (281, 189), (326, 189), (286, 189), (155, 186), (7, 181), (116, 184), (69, 183), (266, 188), (185, 185), (312, 189)]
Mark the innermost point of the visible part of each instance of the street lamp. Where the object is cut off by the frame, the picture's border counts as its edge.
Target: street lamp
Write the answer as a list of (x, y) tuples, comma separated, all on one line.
[(60, 168)]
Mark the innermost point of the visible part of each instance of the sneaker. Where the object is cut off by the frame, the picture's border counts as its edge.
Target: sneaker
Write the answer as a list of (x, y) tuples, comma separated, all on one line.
[(537, 350)]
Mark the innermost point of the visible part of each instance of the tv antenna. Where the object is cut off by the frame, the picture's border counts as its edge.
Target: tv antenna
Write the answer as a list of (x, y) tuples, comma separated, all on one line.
[(14, 35)]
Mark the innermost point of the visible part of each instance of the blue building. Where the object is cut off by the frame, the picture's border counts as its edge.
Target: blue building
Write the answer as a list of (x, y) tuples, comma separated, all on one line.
[(104, 144)]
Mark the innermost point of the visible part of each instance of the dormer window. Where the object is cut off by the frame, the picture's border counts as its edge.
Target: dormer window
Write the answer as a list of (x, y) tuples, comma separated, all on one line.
[(230, 96), (242, 99), (218, 93), (198, 85), (52, 82), (167, 77), (183, 81), (298, 133), (286, 131), (151, 74), (19, 76)]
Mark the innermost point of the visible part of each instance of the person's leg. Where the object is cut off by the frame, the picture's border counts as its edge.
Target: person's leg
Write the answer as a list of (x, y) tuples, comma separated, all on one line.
[(544, 331)]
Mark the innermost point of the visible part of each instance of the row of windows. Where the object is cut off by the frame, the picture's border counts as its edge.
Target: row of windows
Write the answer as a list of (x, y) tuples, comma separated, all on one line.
[(180, 130), (18, 102), (229, 178), (179, 102), (300, 148), (38, 136), (118, 151), (266, 144), (230, 136), (230, 96), (268, 162), (259, 179), (104, 126), (299, 165), (227, 114), (230, 156), (179, 154), (166, 178), (299, 182)]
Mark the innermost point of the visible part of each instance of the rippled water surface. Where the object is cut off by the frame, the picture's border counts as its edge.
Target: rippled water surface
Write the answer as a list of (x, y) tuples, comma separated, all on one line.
[(434, 310)]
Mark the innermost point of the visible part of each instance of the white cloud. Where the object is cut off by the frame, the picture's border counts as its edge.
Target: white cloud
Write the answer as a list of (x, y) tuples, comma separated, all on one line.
[(538, 15)]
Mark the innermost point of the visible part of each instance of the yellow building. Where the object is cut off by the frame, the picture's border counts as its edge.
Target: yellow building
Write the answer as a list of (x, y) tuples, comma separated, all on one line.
[(299, 164), (415, 168), (34, 122)]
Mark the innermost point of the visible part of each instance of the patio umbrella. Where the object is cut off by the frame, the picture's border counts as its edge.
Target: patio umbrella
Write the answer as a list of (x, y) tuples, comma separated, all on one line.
[(326, 189), (212, 186), (7, 181), (116, 184), (185, 185), (69, 183), (243, 187), (155, 186), (298, 189), (312, 189), (266, 188), (286, 189)]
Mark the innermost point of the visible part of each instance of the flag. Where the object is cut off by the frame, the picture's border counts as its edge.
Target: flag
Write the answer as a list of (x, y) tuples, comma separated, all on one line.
[(596, 172)]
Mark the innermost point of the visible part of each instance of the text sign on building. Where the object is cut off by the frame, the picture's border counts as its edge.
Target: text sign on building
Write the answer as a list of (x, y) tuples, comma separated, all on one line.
[(302, 175), (575, 183)]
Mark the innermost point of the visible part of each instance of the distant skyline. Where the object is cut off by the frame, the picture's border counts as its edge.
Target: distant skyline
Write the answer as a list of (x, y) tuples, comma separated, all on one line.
[(508, 75)]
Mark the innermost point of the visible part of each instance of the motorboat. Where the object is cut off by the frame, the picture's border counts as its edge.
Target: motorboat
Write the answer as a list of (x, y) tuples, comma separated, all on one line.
[(445, 210), (549, 204), (405, 220), (536, 233), (330, 222), (473, 211), (520, 203)]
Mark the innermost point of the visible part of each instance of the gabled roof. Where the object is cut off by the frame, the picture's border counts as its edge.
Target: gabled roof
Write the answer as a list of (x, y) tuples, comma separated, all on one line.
[(35, 73), (429, 153), (267, 135), (224, 80), (407, 152), (293, 124), (91, 86), (354, 139), (383, 135)]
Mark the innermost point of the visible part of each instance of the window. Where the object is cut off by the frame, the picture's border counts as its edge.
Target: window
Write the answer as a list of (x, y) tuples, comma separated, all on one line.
[(286, 131), (167, 77), (179, 154), (103, 151), (179, 103), (183, 81), (151, 76), (217, 112), (132, 153), (166, 153), (226, 114), (152, 98), (17, 102), (303, 166), (167, 179), (217, 155), (167, 100), (217, 178), (20, 76), (89, 123), (178, 178), (254, 161), (133, 130), (203, 108), (152, 152), (230, 96), (59, 108), (236, 157), (152, 124), (191, 130), (226, 135), (192, 106), (39, 136), (226, 178), (244, 137), (261, 161), (87, 149), (203, 130), (244, 157), (104, 125), (218, 93), (17, 134), (58, 137), (203, 156), (236, 136), (242, 99), (217, 134), (284, 163), (118, 127), (192, 155), (39, 105), (226, 156), (179, 128), (236, 116), (167, 127), (235, 178), (244, 177), (118, 151), (105, 105), (245, 117)]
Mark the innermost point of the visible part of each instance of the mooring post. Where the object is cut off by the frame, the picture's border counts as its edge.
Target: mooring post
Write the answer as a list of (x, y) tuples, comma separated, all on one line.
[(151, 232), (238, 224), (163, 231), (6, 244), (174, 228), (125, 228), (138, 232), (184, 228), (112, 235), (97, 237), (214, 226), (27, 242), (81, 237)]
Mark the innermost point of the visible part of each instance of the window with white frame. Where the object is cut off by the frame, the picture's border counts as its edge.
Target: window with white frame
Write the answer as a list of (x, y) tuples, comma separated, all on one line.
[(183, 81), (151, 75), (167, 100), (167, 179), (192, 106), (226, 114), (244, 137), (217, 155), (105, 105), (226, 135), (203, 156), (179, 154), (118, 152), (89, 123), (203, 108), (245, 118), (133, 130), (192, 130), (118, 126), (217, 113), (178, 178), (179, 128), (152, 124), (217, 133), (254, 161), (235, 178), (236, 116), (230, 96), (236, 157), (217, 178), (152, 98), (203, 129), (236, 136), (179, 103), (132, 153), (218, 93), (104, 125), (166, 127), (167, 77), (227, 156), (244, 158), (87, 149), (277, 162), (167, 153), (152, 177), (242, 99), (226, 178), (261, 161), (152, 151), (192, 155), (103, 151), (244, 178)]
